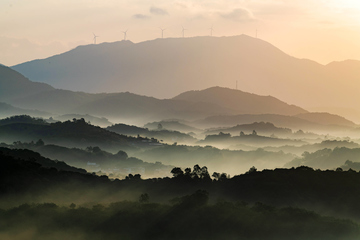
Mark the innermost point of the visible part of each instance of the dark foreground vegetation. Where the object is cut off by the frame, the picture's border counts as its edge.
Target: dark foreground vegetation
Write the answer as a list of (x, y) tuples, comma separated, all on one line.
[(189, 217), (41, 199)]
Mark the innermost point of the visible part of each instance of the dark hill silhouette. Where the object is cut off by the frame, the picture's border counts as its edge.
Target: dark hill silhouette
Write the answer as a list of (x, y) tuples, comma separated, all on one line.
[(92, 159), (22, 119), (291, 122), (160, 134), (32, 156), (14, 85), (241, 102), (97, 121), (262, 128), (174, 125), (167, 67), (76, 133)]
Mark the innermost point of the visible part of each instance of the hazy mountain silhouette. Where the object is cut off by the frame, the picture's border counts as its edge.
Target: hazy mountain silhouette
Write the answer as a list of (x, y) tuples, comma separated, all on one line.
[(326, 119), (129, 106), (14, 85), (9, 110), (241, 102), (167, 67)]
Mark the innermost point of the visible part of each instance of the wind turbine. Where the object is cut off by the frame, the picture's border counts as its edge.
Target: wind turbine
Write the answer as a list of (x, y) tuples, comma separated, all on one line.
[(125, 33), (95, 38), (183, 31), (211, 30), (162, 32)]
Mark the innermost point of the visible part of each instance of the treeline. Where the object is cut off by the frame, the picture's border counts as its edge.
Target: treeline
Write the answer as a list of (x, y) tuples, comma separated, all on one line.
[(331, 192), (94, 159), (189, 217)]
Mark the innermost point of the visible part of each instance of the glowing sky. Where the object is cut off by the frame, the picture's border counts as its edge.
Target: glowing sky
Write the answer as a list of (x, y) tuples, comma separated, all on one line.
[(320, 30)]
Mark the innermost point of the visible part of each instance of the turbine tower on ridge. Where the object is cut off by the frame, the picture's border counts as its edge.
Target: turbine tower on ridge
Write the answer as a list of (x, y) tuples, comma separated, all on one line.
[(125, 33), (162, 32), (95, 38), (211, 30), (183, 31)]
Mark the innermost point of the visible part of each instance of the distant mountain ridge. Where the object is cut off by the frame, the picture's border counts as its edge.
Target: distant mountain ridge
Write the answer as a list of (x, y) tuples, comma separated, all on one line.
[(131, 108), (164, 68), (240, 101), (14, 85)]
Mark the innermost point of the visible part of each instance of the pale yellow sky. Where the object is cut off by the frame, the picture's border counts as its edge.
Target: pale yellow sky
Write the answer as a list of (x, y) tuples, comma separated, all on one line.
[(320, 30)]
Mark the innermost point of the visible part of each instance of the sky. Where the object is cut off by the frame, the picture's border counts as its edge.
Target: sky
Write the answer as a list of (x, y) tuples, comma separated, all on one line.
[(323, 31)]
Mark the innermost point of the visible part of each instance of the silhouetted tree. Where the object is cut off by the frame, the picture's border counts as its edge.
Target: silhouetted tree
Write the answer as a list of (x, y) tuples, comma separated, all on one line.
[(251, 170), (187, 171), (159, 127), (144, 198), (216, 176), (176, 171), (40, 143), (204, 174)]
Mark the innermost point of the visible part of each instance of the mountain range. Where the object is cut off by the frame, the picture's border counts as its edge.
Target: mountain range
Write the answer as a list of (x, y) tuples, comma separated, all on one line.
[(39, 99), (164, 68), (129, 106)]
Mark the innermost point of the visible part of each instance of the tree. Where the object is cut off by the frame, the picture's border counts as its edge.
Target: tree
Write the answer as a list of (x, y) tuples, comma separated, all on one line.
[(144, 198), (216, 175), (252, 170), (204, 174), (254, 133), (176, 171), (242, 133), (39, 143), (159, 127), (196, 171)]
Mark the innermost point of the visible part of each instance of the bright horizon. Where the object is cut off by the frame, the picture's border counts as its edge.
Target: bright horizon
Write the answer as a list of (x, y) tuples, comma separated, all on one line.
[(323, 31)]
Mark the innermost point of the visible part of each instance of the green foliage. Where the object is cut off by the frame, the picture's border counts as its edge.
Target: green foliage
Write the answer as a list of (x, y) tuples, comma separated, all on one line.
[(191, 218)]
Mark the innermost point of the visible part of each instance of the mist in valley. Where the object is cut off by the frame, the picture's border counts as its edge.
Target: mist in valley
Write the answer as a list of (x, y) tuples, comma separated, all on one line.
[(194, 136)]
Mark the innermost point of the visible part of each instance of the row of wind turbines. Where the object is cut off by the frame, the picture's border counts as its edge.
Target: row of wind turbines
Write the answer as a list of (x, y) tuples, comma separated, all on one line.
[(162, 33)]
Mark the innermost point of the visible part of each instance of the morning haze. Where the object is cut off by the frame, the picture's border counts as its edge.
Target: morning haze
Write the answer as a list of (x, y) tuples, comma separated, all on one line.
[(172, 66), (192, 120)]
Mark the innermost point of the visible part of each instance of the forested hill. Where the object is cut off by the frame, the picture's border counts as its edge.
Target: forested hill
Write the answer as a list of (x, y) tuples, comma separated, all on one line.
[(330, 192), (76, 133)]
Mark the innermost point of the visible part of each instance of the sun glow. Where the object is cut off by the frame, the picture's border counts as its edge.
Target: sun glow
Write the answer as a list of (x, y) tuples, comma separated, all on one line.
[(347, 4)]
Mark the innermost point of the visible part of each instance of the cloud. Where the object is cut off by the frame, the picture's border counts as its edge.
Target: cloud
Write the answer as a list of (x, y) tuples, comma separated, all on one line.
[(141, 16), (158, 11), (239, 15)]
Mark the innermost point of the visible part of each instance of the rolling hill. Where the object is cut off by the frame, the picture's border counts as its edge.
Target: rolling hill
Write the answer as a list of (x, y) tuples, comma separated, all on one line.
[(241, 102)]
